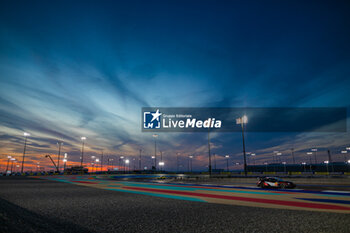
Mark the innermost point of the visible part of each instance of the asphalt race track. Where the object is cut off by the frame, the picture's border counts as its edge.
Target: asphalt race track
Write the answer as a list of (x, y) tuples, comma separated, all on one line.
[(86, 204), (327, 201)]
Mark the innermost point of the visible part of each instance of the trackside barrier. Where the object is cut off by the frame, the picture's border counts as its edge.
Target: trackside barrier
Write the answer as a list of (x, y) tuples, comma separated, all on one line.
[(322, 173), (248, 173), (225, 173), (269, 173)]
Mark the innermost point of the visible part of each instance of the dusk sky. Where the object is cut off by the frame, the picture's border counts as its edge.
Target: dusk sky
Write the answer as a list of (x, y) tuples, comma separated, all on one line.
[(86, 68)]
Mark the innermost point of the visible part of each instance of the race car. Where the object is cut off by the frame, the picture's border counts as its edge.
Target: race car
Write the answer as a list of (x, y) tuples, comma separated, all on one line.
[(274, 182)]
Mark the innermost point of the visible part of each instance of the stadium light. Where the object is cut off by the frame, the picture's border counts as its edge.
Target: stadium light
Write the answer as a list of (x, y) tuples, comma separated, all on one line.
[(177, 161), (190, 163), (82, 152), (253, 155), (266, 165), (59, 155), (8, 162), (344, 152), (227, 158), (65, 161), (241, 121), (303, 163), (284, 165), (127, 162), (26, 135), (315, 154), (155, 150), (327, 162)]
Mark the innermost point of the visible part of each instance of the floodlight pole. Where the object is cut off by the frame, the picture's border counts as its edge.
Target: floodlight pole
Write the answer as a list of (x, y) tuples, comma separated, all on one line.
[(188, 164), (177, 162), (214, 161), (140, 160), (8, 162), (155, 151), (82, 154), (161, 160), (315, 155), (24, 149), (293, 155), (191, 157), (13, 159), (244, 154), (101, 164), (59, 155), (227, 157), (82, 151), (330, 159), (243, 120), (209, 153)]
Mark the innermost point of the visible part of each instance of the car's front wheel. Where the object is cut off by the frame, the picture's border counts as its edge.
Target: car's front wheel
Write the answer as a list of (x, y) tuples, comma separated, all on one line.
[(282, 186)]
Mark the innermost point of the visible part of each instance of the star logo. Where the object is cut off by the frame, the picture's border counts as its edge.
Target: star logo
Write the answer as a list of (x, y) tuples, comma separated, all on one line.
[(156, 115), (151, 120)]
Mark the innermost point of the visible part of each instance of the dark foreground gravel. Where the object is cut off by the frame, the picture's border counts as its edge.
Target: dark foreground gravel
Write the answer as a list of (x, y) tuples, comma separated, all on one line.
[(34, 205)]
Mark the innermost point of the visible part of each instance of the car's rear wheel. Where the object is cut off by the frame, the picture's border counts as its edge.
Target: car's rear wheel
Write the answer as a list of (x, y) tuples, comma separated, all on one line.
[(282, 186)]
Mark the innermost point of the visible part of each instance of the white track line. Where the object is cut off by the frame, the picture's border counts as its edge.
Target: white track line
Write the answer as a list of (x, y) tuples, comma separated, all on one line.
[(335, 191)]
